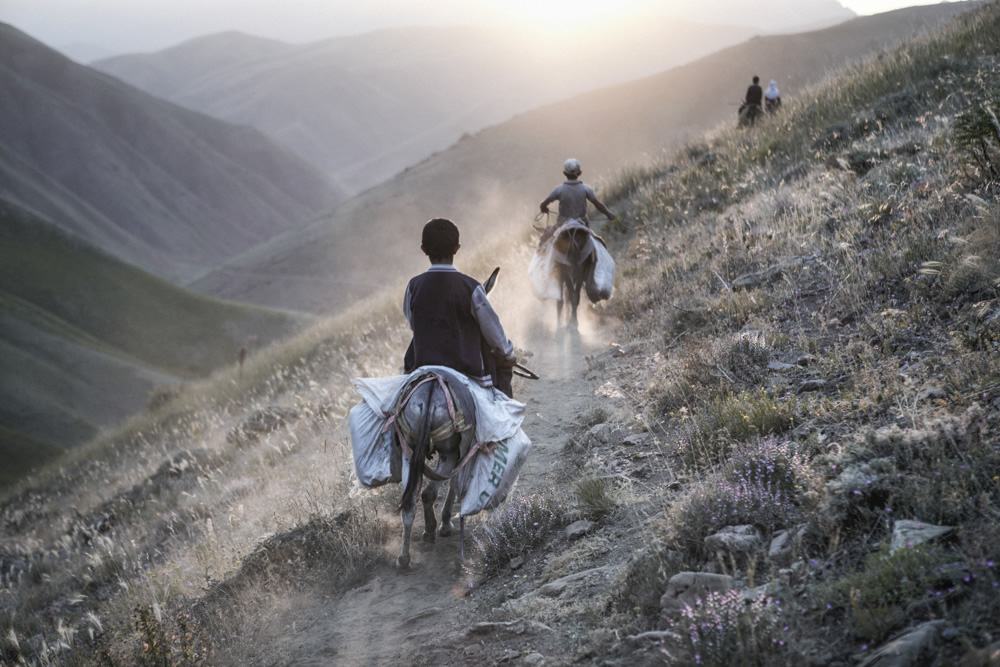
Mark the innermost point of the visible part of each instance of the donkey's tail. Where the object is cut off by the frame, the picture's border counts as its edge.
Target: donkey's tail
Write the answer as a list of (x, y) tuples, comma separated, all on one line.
[(421, 442)]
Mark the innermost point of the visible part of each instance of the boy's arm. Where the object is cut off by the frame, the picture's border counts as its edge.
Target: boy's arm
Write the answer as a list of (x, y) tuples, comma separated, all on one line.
[(553, 196), (489, 325), (406, 307), (598, 205)]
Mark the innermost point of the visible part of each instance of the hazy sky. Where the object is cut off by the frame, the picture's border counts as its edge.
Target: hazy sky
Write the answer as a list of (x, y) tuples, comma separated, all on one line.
[(147, 25)]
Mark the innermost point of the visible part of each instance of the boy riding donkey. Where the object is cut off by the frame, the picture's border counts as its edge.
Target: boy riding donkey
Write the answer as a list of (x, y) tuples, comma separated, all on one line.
[(572, 195), (452, 321), (569, 255), (447, 405)]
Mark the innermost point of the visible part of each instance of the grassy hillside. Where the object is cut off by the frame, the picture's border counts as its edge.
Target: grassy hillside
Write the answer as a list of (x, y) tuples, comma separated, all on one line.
[(86, 337), (495, 178), (166, 189), (364, 107), (805, 350)]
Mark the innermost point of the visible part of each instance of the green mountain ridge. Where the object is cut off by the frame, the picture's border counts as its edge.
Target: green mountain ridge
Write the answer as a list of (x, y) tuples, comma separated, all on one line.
[(86, 337)]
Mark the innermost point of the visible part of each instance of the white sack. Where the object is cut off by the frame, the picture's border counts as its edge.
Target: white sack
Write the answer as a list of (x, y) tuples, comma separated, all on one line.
[(497, 417), (489, 477), (601, 283), (541, 273), (372, 448)]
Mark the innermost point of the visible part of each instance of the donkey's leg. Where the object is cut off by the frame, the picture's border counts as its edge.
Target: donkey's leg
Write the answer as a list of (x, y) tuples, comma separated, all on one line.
[(428, 497), (451, 452), (408, 513), (446, 511), (574, 300)]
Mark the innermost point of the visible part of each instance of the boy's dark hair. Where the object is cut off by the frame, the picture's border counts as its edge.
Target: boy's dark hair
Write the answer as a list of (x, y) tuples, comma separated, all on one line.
[(440, 238), (756, 79)]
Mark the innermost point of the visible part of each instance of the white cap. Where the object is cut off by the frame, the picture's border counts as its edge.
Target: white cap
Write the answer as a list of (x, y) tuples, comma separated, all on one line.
[(572, 166)]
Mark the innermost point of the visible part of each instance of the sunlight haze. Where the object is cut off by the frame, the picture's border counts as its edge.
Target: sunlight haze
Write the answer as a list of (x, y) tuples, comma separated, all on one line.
[(99, 28)]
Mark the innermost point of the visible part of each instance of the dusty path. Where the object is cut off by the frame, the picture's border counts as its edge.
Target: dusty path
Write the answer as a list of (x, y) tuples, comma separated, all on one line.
[(419, 615)]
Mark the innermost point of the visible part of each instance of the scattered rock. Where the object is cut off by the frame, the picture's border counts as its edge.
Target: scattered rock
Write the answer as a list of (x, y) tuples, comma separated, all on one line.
[(578, 529), (556, 588), (915, 647), (758, 278), (811, 385), (785, 543), (533, 659), (781, 367), (638, 440), (602, 435), (735, 540), (907, 534), (518, 627), (685, 588), (517, 563), (931, 393)]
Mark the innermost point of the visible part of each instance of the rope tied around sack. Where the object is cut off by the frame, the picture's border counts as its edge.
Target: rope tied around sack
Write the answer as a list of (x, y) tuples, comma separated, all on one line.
[(456, 425)]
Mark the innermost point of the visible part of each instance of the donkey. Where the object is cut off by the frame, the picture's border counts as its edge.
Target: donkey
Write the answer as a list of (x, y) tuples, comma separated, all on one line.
[(574, 258), (437, 417)]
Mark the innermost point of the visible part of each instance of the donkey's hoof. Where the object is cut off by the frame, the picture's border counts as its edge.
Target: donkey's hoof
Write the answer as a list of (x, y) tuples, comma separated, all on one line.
[(429, 537), (444, 530), (402, 562)]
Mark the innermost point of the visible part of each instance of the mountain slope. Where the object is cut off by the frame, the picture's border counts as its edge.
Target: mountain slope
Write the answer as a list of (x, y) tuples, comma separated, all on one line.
[(84, 337), (364, 107), (502, 172), (162, 187)]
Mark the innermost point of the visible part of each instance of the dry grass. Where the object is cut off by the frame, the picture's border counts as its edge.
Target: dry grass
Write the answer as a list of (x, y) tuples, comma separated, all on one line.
[(840, 299)]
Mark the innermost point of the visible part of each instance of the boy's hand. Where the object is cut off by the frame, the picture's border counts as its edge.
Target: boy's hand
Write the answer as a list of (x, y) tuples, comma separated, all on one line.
[(509, 362), (544, 208)]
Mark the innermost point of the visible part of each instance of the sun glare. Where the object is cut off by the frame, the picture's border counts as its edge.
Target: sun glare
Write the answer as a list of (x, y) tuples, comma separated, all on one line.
[(558, 14)]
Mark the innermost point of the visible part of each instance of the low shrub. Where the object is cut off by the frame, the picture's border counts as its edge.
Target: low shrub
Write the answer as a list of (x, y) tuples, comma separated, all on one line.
[(878, 596), (597, 496), (726, 629), (522, 523)]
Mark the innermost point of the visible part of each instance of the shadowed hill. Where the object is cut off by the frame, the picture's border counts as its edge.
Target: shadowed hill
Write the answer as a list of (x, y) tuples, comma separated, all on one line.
[(162, 187), (497, 176), (84, 337), (775, 445), (364, 107)]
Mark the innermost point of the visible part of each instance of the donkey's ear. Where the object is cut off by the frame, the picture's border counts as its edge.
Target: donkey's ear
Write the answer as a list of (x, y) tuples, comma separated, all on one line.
[(491, 281)]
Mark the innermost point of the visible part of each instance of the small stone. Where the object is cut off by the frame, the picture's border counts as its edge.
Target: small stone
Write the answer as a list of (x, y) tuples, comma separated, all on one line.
[(684, 588), (781, 367), (931, 393), (533, 659), (811, 385), (735, 540), (578, 529), (517, 563), (638, 440), (907, 534)]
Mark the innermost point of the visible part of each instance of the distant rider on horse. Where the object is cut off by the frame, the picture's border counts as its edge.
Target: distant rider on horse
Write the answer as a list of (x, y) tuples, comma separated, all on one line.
[(753, 102), (572, 195), (452, 321)]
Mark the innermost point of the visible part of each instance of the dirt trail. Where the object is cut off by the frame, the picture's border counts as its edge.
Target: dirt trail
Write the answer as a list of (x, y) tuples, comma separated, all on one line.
[(424, 611)]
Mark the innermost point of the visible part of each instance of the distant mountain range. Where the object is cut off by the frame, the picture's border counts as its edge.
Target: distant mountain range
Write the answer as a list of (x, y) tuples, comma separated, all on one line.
[(497, 177), (170, 190), (85, 337), (363, 108)]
